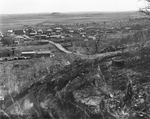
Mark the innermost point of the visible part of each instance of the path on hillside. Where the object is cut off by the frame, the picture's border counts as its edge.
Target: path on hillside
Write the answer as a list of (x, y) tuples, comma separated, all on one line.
[(83, 56)]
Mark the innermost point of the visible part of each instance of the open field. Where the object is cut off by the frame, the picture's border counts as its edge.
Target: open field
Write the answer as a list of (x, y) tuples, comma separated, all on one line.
[(17, 21)]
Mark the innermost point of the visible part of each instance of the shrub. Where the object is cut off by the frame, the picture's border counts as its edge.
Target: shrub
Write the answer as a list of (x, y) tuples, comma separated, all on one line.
[(7, 40)]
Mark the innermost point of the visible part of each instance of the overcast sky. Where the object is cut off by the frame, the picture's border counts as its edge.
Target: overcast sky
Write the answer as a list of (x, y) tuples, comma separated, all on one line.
[(40, 6)]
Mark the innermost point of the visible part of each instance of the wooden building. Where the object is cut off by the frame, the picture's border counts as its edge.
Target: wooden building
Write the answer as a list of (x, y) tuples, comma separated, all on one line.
[(37, 54)]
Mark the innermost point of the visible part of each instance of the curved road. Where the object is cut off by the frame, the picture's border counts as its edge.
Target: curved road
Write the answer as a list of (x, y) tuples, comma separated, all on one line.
[(83, 56)]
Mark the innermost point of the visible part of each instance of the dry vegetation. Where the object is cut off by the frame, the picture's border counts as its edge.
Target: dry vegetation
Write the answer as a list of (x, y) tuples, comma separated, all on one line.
[(68, 87)]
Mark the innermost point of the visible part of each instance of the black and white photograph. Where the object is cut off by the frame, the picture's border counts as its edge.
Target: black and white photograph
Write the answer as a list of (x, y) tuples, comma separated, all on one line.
[(74, 59)]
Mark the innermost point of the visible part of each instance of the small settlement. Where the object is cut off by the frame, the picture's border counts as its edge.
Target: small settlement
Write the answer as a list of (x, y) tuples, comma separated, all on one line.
[(66, 35)]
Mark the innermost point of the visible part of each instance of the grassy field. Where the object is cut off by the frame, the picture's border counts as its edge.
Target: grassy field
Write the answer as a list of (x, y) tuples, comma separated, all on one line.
[(16, 21)]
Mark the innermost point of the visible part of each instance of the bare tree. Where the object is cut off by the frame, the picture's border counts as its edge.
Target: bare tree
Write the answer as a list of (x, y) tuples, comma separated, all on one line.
[(100, 37), (146, 9)]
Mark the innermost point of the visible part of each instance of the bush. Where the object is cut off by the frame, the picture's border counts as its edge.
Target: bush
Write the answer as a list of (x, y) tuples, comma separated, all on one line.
[(7, 40)]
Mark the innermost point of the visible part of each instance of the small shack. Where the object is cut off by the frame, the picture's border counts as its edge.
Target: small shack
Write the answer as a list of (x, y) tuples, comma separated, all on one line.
[(44, 36), (49, 31), (44, 54), (37, 54), (28, 54), (40, 31), (10, 33)]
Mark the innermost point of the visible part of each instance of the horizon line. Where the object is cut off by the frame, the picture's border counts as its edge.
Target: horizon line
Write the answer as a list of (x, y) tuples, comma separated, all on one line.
[(74, 12)]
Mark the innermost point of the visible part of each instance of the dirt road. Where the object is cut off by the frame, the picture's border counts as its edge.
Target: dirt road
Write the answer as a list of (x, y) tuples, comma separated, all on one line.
[(84, 56)]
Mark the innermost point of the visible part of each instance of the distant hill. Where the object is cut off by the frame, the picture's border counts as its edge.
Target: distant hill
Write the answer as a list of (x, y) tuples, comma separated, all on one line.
[(55, 13)]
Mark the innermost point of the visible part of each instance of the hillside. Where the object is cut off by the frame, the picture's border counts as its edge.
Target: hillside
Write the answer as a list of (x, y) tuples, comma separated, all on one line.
[(97, 66), (93, 89)]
